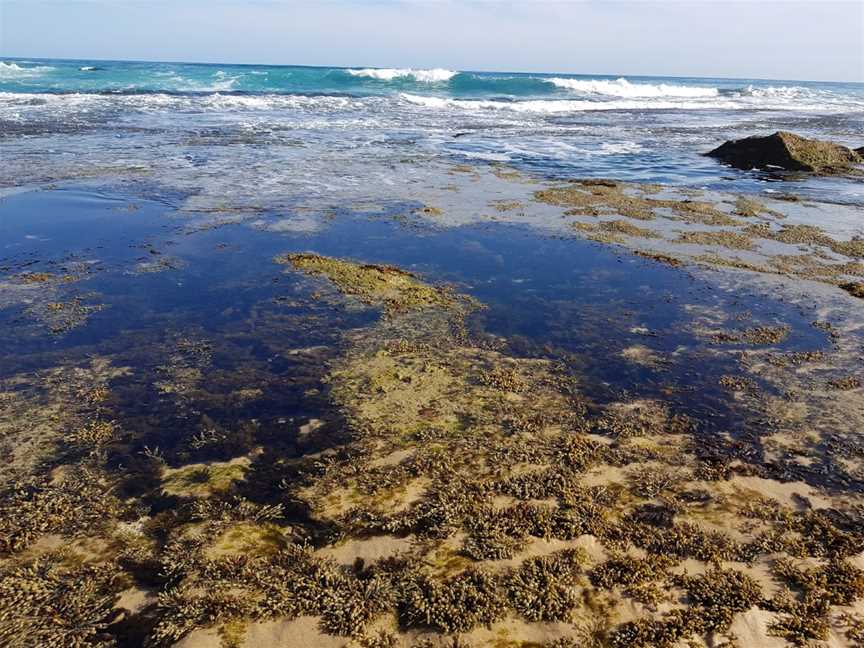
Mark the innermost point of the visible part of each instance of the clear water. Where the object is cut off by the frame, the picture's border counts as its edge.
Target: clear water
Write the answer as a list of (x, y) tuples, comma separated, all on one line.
[(566, 299)]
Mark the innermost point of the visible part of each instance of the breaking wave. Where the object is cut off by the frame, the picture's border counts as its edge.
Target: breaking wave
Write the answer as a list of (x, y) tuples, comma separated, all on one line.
[(435, 75), (775, 92), (15, 71), (623, 88)]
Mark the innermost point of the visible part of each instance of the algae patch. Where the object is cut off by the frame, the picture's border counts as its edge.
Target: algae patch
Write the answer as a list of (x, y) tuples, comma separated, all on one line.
[(598, 197), (379, 285), (201, 480)]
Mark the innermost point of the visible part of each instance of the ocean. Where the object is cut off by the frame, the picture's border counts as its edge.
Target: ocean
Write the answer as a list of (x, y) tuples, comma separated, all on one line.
[(255, 133)]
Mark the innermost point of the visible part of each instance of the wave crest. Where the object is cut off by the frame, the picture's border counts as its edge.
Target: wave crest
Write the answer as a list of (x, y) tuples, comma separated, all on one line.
[(623, 88), (15, 71), (435, 75), (775, 92)]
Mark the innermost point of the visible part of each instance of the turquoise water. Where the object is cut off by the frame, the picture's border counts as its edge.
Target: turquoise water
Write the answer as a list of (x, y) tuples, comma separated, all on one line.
[(83, 76), (217, 131)]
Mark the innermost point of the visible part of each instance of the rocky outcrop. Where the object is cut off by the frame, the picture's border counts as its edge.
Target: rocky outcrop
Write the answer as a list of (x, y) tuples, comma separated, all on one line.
[(787, 151), (854, 288)]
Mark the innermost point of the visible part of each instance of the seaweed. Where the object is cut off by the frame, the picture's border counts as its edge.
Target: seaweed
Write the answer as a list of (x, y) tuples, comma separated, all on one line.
[(388, 286), (656, 633), (79, 502), (47, 603), (720, 594), (757, 336), (458, 604), (544, 588)]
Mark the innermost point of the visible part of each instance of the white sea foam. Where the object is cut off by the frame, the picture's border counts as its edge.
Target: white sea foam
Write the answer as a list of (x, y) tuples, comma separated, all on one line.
[(558, 105), (436, 75), (15, 71), (20, 106), (490, 157), (222, 84), (778, 92), (553, 106), (623, 88), (87, 68), (619, 148)]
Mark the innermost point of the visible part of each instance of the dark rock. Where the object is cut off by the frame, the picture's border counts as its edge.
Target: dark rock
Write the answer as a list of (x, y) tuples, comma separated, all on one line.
[(856, 289), (787, 151)]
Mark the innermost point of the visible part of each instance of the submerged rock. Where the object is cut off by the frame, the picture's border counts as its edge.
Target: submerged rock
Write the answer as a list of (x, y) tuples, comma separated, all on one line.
[(394, 289), (787, 151)]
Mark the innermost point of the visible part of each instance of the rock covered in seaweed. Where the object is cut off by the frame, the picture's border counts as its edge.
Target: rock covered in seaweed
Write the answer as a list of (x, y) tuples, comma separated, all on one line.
[(382, 285), (854, 288), (787, 151)]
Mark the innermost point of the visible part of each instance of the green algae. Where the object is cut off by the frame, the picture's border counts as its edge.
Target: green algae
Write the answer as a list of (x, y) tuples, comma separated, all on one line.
[(202, 480)]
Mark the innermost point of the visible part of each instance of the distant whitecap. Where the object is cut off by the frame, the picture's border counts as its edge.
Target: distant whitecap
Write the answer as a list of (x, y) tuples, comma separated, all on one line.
[(435, 75)]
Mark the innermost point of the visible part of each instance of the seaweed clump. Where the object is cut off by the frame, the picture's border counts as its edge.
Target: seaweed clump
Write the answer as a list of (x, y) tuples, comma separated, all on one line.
[(38, 506), (715, 598), (755, 335), (804, 618), (599, 197), (720, 595), (543, 588), (750, 208), (639, 578), (854, 288), (470, 599), (722, 238), (50, 604), (382, 285)]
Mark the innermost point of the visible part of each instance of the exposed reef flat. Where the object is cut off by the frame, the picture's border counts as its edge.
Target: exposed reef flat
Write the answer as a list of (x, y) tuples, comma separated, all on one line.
[(359, 444)]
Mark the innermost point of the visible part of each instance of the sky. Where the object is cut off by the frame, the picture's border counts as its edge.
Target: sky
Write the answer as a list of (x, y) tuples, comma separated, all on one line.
[(780, 39)]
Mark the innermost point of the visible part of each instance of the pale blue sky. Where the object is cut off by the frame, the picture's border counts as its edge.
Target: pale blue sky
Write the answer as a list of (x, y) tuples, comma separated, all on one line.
[(783, 39)]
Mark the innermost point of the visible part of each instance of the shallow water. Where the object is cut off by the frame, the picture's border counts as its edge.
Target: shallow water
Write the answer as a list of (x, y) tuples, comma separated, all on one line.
[(563, 298)]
